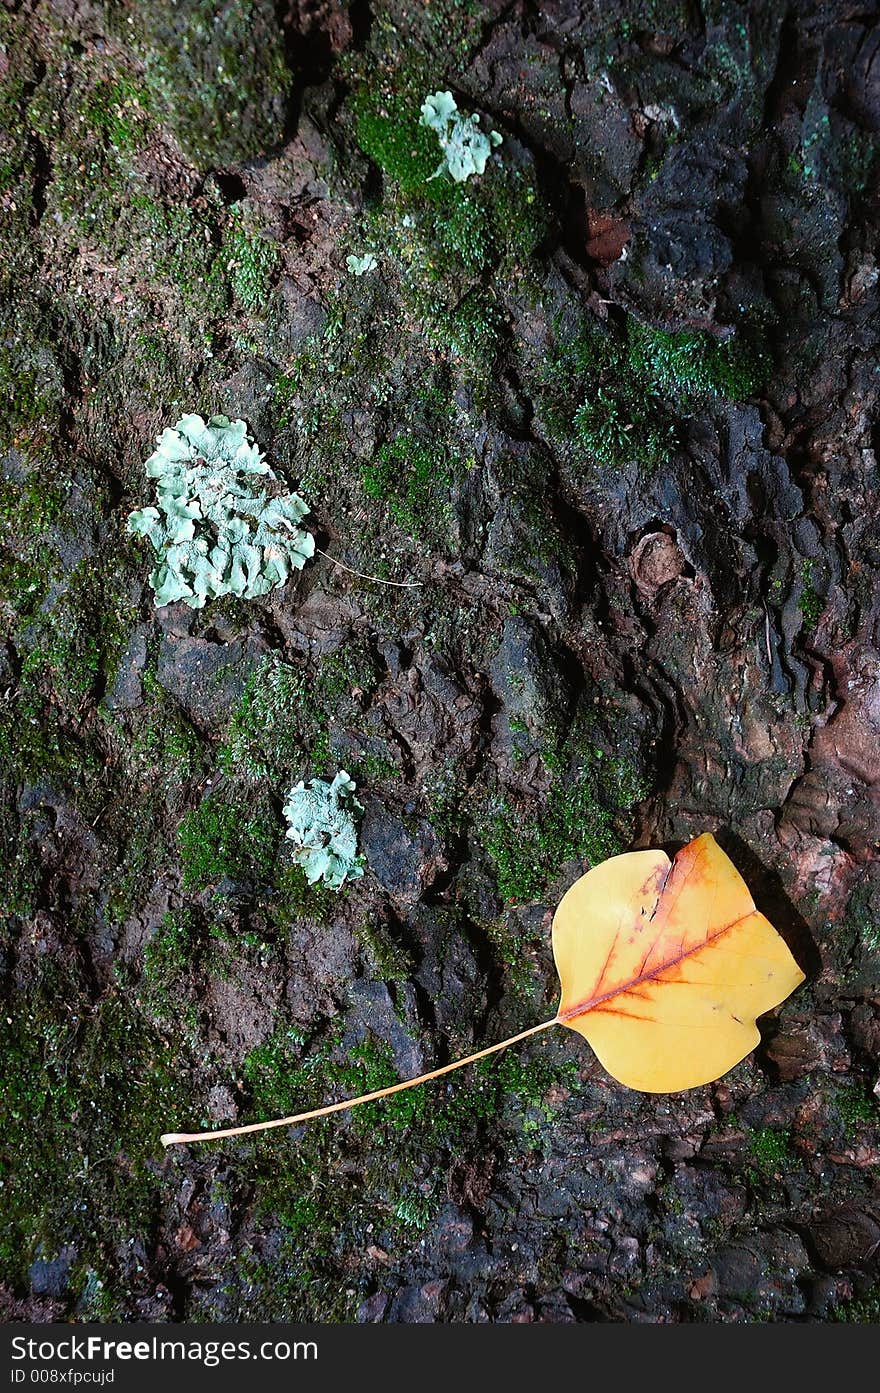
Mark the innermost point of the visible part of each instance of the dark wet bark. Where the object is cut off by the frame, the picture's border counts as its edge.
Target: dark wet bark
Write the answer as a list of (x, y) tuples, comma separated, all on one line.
[(614, 406)]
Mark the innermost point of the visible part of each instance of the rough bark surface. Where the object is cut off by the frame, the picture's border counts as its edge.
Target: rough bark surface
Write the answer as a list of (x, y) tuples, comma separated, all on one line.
[(613, 405)]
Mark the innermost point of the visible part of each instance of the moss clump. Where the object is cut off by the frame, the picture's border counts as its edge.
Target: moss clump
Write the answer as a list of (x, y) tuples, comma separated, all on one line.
[(116, 109), (24, 872), (693, 363), (161, 748), (170, 949), (69, 653), (412, 478), (91, 115), (771, 1150), (389, 131), (277, 1079), (864, 1310), (811, 602), (391, 960), (251, 260), (619, 424), (453, 246), (621, 397), (141, 855), (87, 1090), (863, 915), (265, 731), (28, 509), (174, 960), (222, 840), (182, 249), (284, 1080), (216, 257), (296, 898), (217, 75), (75, 646), (579, 822), (30, 384), (282, 725), (856, 1108), (378, 1171)]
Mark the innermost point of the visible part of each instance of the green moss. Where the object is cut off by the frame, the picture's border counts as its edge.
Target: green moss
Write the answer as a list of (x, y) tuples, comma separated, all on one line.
[(374, 1175), (278, 1081), (285, 389), (369, 1067), (217, 75), (608, 413), (623, 396), (856, 1107), (864, 1310), (29, 508), (139, 862), (693, 363), (619, 424), (463, 231), (283, 1080), (772, 1151), (24, 878), (346, 373), (281, 730), (579, 822), (69, 652), (453, 246), (222, 840), (388, 131), (152, 350), (340, 674), (811, 601), (392, 961), (90, 114), (863, 916), (265, 735), (473, 327), (251, 260), (446, 795), (116, 110), (14, 45), (170, 949), (161, 746), (182, 248), (412, 479), (373, 769), (22, 585), (416, 1210), (87, 1091), (29, 389), (296, 898), (80, 639)]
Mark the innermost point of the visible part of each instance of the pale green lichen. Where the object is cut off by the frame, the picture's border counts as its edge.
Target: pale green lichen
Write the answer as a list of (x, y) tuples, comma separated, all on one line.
[(466, 149), (218, 530), (321, 826), (359, 265)]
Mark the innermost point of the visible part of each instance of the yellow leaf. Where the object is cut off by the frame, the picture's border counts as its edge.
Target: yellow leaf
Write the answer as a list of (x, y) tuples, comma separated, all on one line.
[(664, 966)]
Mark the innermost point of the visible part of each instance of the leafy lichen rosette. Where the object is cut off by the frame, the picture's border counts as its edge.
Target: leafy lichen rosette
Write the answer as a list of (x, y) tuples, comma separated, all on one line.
[(466, 149), (321, 825), (218, 527)]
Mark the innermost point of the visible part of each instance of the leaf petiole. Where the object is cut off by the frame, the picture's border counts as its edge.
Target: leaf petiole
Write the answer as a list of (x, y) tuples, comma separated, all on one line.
[(176, 1138)]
